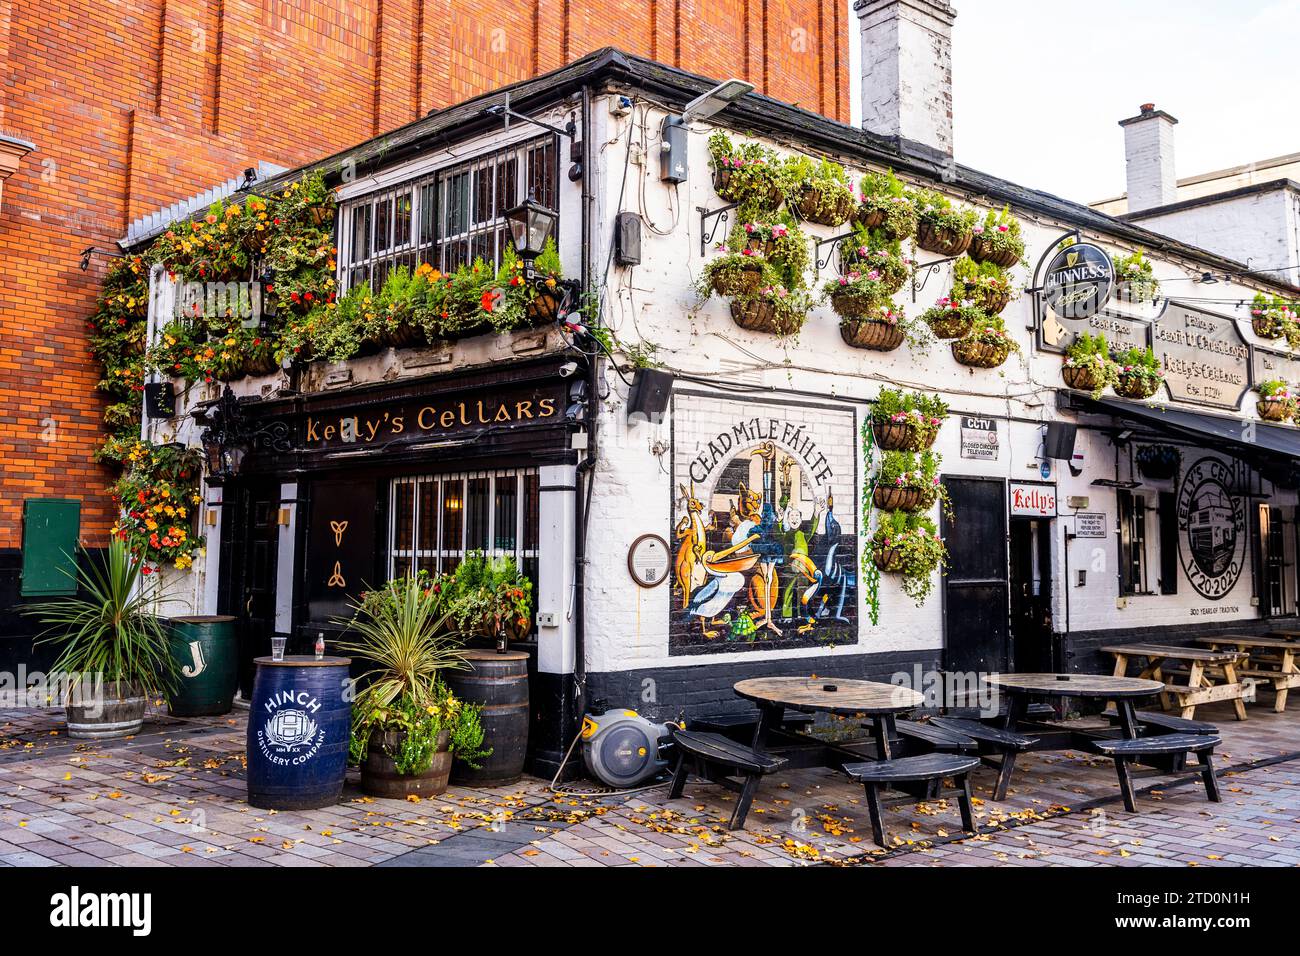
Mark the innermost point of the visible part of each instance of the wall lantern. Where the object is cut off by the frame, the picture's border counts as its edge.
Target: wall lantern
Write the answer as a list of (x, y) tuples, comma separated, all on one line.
[(229, 435), (531, 224)]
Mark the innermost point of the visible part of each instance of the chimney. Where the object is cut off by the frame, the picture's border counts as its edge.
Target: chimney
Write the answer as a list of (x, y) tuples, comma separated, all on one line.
[(907, 70), (1149, 158)]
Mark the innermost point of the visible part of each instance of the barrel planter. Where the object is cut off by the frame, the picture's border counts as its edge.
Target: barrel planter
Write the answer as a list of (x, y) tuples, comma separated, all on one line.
[(115, 709), (299, 724), (205, 650), (380, 777), (499, 684)]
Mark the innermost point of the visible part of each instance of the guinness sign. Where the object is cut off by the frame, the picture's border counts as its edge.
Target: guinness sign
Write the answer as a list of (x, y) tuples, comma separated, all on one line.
[(1079, 282)]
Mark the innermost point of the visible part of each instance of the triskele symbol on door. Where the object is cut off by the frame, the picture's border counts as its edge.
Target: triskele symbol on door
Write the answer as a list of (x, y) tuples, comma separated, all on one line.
[(338, 527), (336, 579), (196, 652)]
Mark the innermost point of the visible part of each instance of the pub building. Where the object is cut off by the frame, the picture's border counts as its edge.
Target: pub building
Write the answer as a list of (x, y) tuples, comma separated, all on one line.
[(607, 481)]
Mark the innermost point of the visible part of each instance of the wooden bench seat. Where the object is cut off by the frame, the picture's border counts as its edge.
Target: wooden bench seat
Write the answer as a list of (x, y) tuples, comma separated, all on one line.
[(719, 759), (1160, 745), (1006, 744), (925, 768), (1168, 723), (740, 725), (935, 737)]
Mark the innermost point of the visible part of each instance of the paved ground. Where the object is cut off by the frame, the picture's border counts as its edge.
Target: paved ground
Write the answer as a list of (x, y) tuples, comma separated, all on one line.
[(173, 796)]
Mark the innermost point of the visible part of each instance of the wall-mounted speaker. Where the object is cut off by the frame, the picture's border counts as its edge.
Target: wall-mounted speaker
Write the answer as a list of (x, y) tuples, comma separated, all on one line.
[(1058, 440), (650, 392)]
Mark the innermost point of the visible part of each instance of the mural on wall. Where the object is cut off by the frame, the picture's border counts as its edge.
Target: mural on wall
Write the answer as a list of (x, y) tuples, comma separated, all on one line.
[(1213, 526), (764, 528)]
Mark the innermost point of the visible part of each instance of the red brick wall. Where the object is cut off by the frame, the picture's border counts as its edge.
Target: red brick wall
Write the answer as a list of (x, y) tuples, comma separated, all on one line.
[(137, 103)]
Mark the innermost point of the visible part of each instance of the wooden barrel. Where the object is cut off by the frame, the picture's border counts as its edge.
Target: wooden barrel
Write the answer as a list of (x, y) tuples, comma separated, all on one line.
[(206, 655), (498, 683), (299, 722)]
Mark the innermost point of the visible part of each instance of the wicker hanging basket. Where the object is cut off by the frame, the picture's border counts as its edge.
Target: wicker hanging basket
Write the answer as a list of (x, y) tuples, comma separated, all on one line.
[(894, 498), (1133, 387), (869, 217), (990, 301), (1275, 411), (261, 363), (853, 305), (811, 208), (1083, 378), (953, 326), (979, 354), (889, 560), (1265, 327), (943, 242), (745, 283), (543, 309), (401, 335), (981, 250), (764, 247), (758, 315), (902, 436), (871, 334)]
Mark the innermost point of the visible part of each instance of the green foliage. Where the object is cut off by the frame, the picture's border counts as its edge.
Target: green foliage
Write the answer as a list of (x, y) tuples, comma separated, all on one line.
[(942, 214), (1136, 272), (485, 595), (889, 204), (1000, 232), (991, 330), (909, 544), (111, 632), (894, 404)]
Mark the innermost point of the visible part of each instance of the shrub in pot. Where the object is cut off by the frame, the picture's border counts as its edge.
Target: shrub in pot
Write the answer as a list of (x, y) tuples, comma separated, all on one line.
[(951, 318), (110, 643), (997, 239), (1138, 374), (909, 545), (821, 190), (886, 206), (906, 421), (1135, 278), (987, 345), (906, 481), (406, 724), (1276, 403), (986, 284), (941, 226), (1088, 366)]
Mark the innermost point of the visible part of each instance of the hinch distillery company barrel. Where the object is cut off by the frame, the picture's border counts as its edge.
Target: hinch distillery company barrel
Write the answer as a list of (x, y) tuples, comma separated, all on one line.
[(498, 683), (205, 651), (299, 720)]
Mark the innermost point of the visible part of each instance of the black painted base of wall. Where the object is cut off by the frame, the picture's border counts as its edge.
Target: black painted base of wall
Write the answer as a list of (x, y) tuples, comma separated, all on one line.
[(17, 631), (555, 724)]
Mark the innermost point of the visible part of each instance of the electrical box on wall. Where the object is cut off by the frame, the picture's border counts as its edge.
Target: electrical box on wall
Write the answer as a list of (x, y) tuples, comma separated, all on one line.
[(627, 239), (672, 156), (51, 527)]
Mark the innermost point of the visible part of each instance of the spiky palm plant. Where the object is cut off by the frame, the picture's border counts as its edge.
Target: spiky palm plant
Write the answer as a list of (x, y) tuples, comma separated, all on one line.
[(111, 633)]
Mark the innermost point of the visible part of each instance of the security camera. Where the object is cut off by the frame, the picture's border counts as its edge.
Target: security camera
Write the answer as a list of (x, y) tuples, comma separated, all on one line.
[(569, 369)]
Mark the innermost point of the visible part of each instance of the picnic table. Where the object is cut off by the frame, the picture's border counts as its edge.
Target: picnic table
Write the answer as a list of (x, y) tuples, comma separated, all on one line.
[(1022, 688), (831, 695), (1272, 660), (1211, 675)]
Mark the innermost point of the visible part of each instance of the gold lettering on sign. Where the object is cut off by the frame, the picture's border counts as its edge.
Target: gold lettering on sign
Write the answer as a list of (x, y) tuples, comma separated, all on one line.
[(429, 418)]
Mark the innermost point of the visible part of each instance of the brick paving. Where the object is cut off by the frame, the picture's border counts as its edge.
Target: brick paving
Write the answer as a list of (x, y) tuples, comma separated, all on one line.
[(174, 796)]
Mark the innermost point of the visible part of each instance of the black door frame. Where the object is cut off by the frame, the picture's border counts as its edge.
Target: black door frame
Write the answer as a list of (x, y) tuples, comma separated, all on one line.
[(1046, 538)]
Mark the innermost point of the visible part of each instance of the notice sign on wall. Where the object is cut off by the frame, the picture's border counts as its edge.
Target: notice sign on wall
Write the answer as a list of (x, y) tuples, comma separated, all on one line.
[(979, 438), (1090, 526), (1033, 501)]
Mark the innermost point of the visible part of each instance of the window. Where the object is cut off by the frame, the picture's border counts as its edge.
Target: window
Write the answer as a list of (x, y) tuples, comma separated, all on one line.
[(448, 218), (436, 520), (1132, 543)]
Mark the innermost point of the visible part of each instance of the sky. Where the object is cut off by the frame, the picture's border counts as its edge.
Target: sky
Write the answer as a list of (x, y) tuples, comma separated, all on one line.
[(1039, 86)]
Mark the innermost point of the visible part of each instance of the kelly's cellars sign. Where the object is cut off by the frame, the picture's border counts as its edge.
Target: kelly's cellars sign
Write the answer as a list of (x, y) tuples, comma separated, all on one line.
[(1212, 528), (1203, 356)]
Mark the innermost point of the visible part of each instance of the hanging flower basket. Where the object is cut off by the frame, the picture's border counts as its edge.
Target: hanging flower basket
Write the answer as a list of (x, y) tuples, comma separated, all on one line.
[(1266, 326), (988, 299), (1083, 378), (1135, 386), (895, 498), (261, 363), (941, 241), (763, 315), (871, 334), (739, 282), (402, 334), (889, 560), (1275, 411), (907, 435), (1158, 462), (950, 326), (543, 309), (980, 354), (812, 207), (851, 304), (321, 214), (982, 249)]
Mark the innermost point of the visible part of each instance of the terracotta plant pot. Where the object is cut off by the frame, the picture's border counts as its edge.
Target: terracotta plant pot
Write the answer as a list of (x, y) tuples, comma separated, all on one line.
[(981, 250), (379, 776), (894, 498), (757, 315), (943, 242), (902, 436), (1133, 387), (1275, 411), (980, 354), (951, 327), (1082, 378), (811, 209), (853, 305), (870, 334)]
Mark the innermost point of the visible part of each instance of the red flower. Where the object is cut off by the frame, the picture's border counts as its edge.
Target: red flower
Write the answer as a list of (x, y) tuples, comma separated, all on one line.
[(488, 296)]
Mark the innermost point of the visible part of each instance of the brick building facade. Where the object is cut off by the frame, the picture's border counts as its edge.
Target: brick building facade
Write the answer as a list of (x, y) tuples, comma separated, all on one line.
[(135, 104)]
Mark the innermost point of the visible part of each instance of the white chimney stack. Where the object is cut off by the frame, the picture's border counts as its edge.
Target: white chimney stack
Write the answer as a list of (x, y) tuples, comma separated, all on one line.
[(1149, 158), (907, 70)]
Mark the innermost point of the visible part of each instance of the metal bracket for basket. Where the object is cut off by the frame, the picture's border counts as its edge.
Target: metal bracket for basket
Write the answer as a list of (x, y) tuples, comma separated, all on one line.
[(822, 263), (720, 214), (930, 268)]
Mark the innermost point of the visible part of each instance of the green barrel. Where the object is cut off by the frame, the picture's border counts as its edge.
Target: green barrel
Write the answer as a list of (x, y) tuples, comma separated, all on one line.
[(206, 654)]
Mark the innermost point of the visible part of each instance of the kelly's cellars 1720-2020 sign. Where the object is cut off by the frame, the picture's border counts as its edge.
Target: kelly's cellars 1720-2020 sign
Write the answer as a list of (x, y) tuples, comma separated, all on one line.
[(1212, 525)]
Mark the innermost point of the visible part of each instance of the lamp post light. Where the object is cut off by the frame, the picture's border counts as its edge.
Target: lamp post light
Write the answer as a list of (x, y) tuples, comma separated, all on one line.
[(531, 224), (229, 436)]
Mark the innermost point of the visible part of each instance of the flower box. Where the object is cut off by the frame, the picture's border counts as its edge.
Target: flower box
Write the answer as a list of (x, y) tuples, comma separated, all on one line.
[(871, 334)]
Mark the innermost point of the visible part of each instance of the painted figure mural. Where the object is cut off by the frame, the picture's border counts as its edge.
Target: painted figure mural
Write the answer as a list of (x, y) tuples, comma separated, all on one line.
[(762, 561)]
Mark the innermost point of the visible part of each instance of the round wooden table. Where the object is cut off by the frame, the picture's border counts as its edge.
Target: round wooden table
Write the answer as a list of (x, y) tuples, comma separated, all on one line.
[(831, 695), (1122, 690)]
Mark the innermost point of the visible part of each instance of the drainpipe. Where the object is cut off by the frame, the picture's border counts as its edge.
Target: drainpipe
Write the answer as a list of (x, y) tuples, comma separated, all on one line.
[(582, 502)]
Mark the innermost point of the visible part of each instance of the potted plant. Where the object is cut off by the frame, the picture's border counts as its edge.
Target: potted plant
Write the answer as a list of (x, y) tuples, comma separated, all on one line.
[(942, 227), (887, 206), (997, 239), (735, 274), (857, 294), (1135, 277), (987, 345), (865, 252), (110, 643), (906, 421), (750, 174), (822, 190), (906, 481), (1276, 403), (951, 318), (1088, 366), (909, 545), (1138, 374), (1272, 318), (773, 309), (1158, 462), (986, 284), (406, 724), (881, 329)]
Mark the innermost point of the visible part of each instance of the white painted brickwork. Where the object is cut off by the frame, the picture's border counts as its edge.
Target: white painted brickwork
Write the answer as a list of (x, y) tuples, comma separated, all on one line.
[(1149, 161), (907, 70)]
